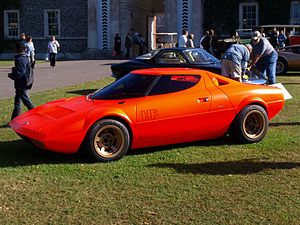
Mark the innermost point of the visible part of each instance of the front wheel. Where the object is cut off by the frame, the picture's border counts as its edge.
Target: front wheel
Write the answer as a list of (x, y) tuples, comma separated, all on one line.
[(107, 140), (250, 125)]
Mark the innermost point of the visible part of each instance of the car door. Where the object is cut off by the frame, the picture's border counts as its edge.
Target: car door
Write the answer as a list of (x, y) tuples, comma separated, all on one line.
[(294, 58), (176, 110)]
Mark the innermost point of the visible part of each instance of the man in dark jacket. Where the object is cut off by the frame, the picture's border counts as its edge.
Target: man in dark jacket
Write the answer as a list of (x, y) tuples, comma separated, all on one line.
[(22, 75), (128, 45), (117, 45)]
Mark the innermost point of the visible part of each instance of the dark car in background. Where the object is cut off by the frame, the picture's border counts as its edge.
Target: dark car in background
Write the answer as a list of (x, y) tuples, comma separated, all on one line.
[(170, 57), (196, 58)]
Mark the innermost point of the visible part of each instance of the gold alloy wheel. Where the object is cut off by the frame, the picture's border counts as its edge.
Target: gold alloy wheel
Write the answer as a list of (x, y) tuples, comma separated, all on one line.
[(254, 124), (108, 141)]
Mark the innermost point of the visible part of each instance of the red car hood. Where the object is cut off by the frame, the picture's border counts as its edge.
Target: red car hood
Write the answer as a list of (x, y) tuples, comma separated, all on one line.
[(63, 119), (61, 116), (50, 112)]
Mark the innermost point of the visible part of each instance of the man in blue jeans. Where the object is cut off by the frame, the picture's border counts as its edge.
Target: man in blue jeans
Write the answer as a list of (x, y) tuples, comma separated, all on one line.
[(264, 56), (22, 75)]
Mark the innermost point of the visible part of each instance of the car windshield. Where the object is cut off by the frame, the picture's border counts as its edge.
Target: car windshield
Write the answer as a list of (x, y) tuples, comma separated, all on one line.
[(148, 55), (130, 86), (199, 56)]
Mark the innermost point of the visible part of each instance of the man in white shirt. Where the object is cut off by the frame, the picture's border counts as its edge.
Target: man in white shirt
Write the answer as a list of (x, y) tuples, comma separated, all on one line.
[(53, 46), (183, 39)]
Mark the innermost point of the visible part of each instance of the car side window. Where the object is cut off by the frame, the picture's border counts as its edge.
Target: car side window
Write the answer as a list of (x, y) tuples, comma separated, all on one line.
[(171, 58), (174, 83), (130, 86)]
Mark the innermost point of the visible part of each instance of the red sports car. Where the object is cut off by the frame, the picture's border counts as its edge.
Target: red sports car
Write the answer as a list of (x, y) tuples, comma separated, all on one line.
[(152, 107)]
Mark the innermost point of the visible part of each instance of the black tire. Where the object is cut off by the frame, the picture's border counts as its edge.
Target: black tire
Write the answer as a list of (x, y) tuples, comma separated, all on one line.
[(281, 66), (250, 125), (107, 140)]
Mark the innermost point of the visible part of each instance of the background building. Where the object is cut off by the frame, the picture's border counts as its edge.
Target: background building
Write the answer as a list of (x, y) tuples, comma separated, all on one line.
[(87, 27), (225, 16)]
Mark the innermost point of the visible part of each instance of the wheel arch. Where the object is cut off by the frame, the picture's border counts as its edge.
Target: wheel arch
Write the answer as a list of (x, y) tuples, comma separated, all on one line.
[(121, 120), (92, 119), (90, 123), (252, 101), (283, 59), (252, 131), (241, 106)]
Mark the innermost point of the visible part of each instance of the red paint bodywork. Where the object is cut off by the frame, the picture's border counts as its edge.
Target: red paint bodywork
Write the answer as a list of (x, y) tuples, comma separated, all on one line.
[(294, 39), (204, 111)]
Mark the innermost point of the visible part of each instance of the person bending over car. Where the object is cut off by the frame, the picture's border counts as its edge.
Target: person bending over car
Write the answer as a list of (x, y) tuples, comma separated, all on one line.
[(235, 60), (264, 56)]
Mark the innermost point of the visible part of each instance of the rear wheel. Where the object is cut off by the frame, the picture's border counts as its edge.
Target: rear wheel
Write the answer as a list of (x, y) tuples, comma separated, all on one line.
[(107, 140), (281, 66), (250, 125)]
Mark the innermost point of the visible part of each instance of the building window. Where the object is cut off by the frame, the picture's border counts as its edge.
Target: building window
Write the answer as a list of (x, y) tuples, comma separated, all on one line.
[(295, 12), (52, 22), (11, 23), (248, 15)]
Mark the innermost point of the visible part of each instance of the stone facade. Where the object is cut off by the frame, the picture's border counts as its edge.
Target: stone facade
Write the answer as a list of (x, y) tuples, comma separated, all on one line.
[(90, 25), (225, 16), (73, 23)]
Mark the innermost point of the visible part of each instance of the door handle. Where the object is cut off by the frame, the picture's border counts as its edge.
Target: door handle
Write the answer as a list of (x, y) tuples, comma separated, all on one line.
[(205, 99)]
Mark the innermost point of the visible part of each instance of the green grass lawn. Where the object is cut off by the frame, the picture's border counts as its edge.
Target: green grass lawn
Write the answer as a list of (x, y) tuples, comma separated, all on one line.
[(211, 182), (6, 63), (10, 63)]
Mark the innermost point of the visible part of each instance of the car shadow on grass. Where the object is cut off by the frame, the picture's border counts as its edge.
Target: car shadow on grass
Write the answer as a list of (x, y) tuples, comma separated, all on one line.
[(289, 83), (20, 153), (284, 124), (243, 167)]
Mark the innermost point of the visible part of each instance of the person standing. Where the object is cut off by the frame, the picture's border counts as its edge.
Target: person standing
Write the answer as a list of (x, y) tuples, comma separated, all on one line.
[(128, 46), (183, 39), (288, 40), (213, 44), (282, 39), (141, 44), (53, 46), (22, 39), (207, 43), (135, 44), (29, 50), (264, 56), (117, 45), (274, 38), (235, 60), (190, 41), (22, 75), (202, 43)]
